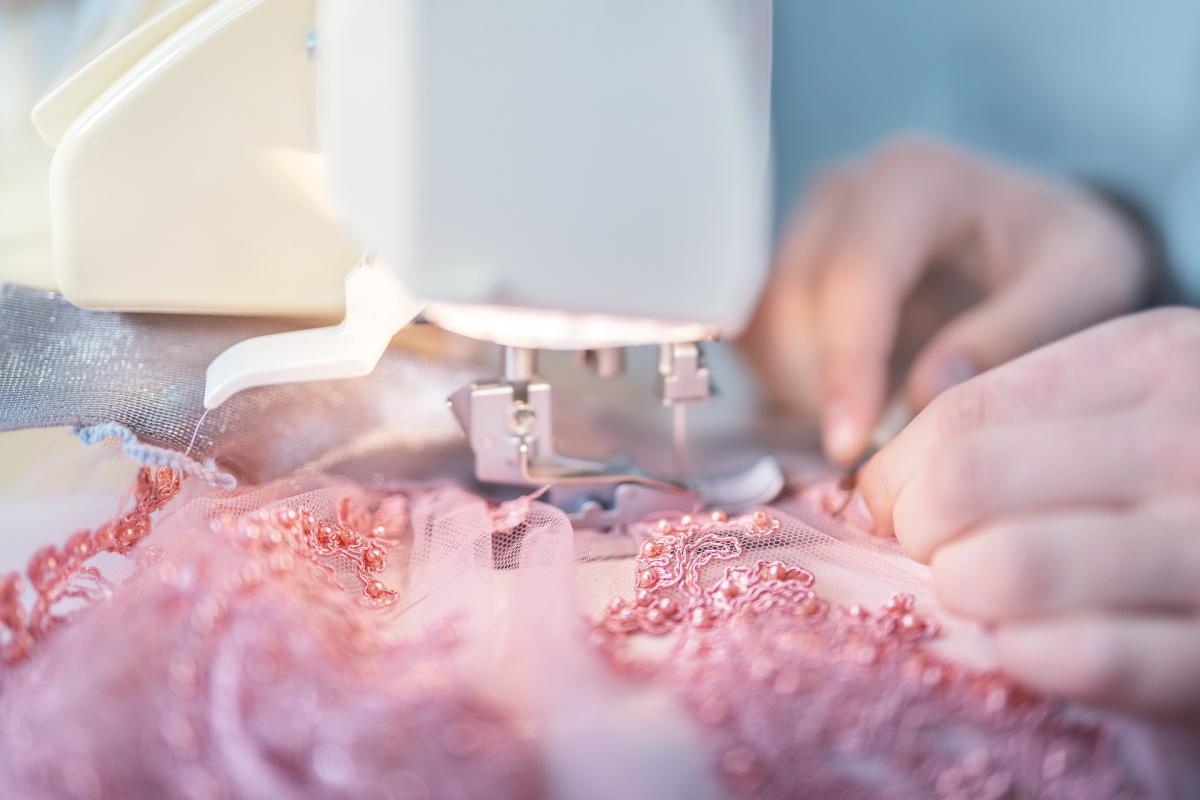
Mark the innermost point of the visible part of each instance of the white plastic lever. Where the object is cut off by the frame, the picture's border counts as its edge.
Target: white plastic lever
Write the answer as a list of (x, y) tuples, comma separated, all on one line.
[(377, 306)]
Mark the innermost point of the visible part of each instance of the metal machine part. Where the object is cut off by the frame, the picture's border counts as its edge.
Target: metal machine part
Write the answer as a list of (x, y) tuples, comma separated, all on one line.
[(509, 424), (605, 362), (683, 376)]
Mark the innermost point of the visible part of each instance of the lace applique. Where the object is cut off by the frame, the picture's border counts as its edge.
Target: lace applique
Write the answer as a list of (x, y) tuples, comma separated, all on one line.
[(802, 697), (332, 547), (240, 666), (62, 576)]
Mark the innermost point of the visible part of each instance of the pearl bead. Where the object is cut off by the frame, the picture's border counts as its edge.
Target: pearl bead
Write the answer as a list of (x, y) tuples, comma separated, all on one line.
[(664, 525), (719, 516), (760, 518), (685, 520), (646, 579), (373, 557), (376, 589)]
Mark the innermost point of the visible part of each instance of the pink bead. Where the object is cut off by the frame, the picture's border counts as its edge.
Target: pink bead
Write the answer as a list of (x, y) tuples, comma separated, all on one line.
[(651, 549), (802, 575), (646, 579), (719, 516), (712, 710)]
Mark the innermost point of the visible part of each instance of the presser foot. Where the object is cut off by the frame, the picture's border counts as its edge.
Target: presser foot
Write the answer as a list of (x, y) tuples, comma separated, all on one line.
[(509, 424), (607, 505)]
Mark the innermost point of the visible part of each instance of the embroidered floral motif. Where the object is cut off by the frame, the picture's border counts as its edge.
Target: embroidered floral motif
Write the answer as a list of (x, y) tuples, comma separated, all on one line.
[(63, 575), (802, 697)]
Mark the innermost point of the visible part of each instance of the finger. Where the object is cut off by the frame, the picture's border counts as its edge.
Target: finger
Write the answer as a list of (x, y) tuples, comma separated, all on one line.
[(1063, 562), (779, 338), (1018, 470), (1148, 664), (905, 206), (1061, 381), (801, 246), (1029, 312)]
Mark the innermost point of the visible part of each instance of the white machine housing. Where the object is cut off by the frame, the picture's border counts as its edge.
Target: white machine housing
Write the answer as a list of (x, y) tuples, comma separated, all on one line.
[(587, 175), (604, 158)]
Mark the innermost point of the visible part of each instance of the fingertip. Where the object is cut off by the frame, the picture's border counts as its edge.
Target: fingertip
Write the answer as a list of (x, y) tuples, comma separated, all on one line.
[(874, 495), (843, 435)]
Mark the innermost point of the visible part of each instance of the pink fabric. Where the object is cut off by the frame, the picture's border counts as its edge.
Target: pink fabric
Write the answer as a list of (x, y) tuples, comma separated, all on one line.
[(316, 638)]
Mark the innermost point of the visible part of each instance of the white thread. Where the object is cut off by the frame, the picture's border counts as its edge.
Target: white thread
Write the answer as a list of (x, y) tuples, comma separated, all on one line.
[(196, 432)]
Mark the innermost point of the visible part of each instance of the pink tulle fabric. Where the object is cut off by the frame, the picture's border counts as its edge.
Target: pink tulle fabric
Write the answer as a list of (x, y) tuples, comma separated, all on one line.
[(317, 638)]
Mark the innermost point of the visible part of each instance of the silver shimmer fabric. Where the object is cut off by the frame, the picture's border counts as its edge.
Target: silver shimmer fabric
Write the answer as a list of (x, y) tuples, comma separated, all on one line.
[(61, 365)]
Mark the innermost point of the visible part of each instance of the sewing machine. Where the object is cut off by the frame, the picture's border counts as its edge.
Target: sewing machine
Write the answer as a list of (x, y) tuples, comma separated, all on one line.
[(588, 176)]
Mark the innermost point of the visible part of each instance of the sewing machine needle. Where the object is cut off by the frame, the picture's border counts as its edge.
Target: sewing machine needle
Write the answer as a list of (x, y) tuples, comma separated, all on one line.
[(680, 439)]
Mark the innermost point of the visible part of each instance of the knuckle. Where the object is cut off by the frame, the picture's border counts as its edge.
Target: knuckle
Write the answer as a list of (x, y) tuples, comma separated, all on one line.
[(830, 181), (911, 152), (1167, 336), (960, 410)]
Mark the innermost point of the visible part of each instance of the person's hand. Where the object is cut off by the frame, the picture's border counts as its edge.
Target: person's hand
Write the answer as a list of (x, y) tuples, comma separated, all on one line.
[(1045, 258), (1058, 498)]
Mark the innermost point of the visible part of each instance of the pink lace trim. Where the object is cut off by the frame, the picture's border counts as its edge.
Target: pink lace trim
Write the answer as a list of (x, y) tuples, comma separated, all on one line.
[(802, 697), (63, 574)]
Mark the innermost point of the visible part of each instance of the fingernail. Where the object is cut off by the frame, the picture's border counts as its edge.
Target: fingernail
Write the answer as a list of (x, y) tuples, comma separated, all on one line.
[(843, 437), (950, 372)]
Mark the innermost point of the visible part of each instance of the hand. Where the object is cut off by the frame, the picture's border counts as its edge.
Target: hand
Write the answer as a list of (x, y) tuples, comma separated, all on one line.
[(1047, 259), (1058, 498)]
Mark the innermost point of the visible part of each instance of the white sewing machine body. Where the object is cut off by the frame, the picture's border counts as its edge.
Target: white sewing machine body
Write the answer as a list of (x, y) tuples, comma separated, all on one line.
[(538, 174)]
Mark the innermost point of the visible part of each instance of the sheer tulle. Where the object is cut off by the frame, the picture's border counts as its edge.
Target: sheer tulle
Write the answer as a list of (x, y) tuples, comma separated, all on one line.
[(317, 638)]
